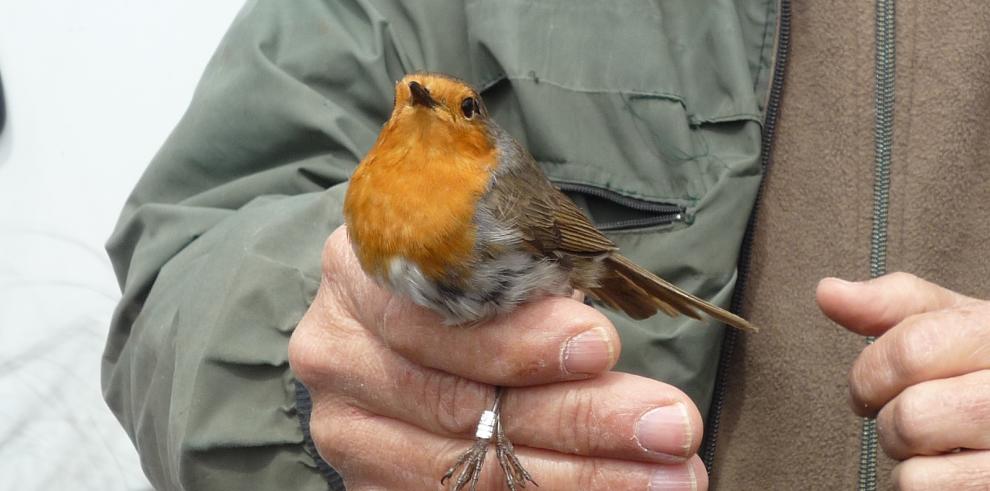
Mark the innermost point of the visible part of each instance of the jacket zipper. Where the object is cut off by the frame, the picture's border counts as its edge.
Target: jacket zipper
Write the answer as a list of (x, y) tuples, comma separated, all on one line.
[(661, 213), (730, 338), (883, 133)]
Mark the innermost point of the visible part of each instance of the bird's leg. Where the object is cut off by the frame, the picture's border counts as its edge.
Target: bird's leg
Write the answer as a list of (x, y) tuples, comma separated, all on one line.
[(515, 473), (473, 460)]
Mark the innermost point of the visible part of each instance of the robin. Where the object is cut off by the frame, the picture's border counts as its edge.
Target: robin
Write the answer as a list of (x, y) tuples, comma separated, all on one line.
[(450, 211)]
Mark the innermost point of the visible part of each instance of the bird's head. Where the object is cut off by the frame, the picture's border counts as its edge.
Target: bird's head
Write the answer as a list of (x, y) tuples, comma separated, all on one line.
[(438, 107)]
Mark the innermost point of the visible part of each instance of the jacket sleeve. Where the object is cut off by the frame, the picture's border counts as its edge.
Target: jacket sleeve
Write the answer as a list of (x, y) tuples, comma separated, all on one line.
[(217, 249)]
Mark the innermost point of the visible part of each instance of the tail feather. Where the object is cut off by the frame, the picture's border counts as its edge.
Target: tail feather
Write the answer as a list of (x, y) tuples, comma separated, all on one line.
[(640, 294), (618, 292)]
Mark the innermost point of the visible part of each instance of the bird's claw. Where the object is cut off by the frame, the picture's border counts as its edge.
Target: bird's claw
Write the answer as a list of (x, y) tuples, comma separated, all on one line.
[(515, 473), (472, 461)]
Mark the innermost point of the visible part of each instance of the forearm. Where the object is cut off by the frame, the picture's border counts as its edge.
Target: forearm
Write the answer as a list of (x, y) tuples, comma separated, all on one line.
[(201, 381)]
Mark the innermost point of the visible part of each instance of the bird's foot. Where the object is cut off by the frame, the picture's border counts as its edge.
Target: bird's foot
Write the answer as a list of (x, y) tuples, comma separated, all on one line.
[(472, 461), (515, 473)]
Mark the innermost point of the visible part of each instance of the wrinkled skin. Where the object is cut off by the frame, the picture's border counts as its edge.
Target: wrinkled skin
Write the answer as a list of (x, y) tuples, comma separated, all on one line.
[(926, 378), (397, 395)]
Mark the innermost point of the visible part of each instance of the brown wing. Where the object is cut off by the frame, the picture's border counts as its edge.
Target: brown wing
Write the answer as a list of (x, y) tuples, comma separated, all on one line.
[(548, 220), (554, 226)]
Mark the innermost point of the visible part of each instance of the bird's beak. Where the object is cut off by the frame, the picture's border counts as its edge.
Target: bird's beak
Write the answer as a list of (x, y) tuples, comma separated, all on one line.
[(421, 96)]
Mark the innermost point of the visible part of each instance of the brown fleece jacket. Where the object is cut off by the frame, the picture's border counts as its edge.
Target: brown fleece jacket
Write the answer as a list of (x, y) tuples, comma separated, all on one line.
[(787, 424)]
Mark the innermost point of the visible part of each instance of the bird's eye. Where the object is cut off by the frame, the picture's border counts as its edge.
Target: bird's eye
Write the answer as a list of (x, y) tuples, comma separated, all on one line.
[(469, 107)]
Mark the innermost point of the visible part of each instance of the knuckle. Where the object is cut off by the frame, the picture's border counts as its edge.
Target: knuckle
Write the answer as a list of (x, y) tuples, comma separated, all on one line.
[(453, 401), (906, 423), (861, 379), (908, 355), (854, 379), (306, 360), (577, 419), (311, 355), (331, 427), (591, 476)]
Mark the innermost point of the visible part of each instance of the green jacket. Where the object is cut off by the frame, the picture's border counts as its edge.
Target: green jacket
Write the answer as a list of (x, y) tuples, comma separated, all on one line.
[(648, 113)]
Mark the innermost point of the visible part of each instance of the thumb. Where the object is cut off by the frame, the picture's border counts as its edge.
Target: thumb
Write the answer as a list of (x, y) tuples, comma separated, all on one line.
[(872, 307), (343, 280)]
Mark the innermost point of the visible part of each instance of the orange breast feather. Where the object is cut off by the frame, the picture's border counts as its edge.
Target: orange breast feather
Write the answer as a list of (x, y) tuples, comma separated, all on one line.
[(417, 201)]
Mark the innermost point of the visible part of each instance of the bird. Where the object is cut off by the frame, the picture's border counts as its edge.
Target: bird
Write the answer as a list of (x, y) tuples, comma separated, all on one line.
[(449, 210)]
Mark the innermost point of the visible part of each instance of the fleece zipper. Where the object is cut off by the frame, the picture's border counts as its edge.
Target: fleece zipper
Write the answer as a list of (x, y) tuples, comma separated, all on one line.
[(883, 133), (731, 335)]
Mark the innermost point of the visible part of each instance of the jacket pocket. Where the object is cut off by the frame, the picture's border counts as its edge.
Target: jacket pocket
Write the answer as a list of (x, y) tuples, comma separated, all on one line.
[(613, 212), (634, 97)]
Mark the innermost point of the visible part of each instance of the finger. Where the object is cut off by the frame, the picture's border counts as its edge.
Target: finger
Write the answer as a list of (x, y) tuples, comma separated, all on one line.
[(616, 415), (544, 341), (966, 470), (549, 340), (937, 416), (371, 450), (872, 307), (936, 345)]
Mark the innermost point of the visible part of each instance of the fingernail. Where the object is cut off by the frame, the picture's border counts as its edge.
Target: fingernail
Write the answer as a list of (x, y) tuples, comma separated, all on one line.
[(680, 477), (589, 352), (665, 430)]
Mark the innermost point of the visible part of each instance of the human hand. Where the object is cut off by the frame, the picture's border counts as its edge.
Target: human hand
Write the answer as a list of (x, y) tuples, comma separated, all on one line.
[(926, 378), (397, 395)]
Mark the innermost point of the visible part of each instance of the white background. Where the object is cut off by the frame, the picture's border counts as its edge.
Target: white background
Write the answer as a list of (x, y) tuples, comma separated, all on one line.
[(92, 90)]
